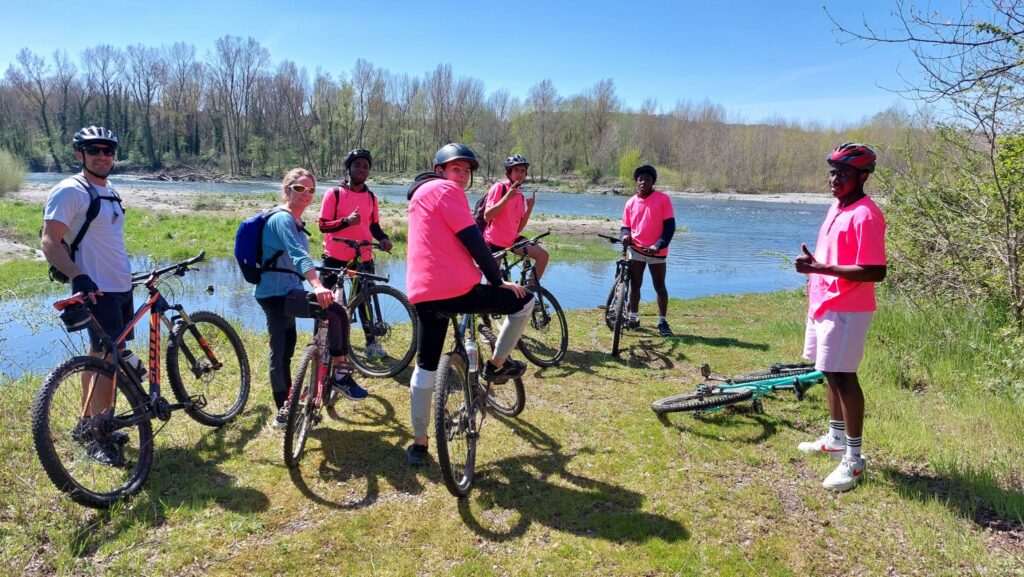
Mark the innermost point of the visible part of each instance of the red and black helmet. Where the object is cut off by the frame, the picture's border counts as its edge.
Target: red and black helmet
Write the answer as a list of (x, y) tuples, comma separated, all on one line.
[(854, 155)]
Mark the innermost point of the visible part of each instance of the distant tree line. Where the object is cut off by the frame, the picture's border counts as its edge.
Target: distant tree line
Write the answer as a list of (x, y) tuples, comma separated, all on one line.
[(235, 111)]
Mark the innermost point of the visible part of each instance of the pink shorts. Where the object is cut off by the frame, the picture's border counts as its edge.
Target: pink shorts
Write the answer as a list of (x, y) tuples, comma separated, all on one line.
[(835, 341)]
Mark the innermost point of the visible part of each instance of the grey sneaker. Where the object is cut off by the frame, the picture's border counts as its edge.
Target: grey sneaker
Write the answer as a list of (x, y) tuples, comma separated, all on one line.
[(281, 420), (375, 351), (108, 454)]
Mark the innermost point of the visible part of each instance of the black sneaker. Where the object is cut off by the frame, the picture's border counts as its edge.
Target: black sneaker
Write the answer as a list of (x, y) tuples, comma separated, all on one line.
[(108, 454), (281, 420), (416, 455), (84, 433), (631, 325), (664, 330), (510, 370)]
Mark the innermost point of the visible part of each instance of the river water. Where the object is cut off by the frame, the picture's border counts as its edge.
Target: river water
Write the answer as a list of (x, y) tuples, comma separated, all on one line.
[(724, 247)]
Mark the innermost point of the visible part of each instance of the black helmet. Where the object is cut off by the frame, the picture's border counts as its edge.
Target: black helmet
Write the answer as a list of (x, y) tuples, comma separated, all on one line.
[(358, 153), (648, 169), (516, 160), (456, 151), (93, 135)]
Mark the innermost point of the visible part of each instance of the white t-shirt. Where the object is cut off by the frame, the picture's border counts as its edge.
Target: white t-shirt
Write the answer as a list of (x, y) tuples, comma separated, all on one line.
[(101, 254)]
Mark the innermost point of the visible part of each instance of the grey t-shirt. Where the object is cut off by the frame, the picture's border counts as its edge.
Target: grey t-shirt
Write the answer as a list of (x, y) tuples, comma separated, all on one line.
[(101, 254)]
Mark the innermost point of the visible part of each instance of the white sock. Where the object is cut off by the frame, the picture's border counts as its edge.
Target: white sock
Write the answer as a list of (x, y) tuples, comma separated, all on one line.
[(837, 430), (853, 447)]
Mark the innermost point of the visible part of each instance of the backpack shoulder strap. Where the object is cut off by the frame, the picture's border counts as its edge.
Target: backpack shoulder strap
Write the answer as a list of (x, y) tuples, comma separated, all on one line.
[(337, 194), (90, 214)]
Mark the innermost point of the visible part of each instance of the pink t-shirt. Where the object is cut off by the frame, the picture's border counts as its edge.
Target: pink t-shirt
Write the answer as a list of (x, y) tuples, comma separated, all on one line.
[(504, 229), (645, 218), (438, 264), (347, 201), (852, 235)]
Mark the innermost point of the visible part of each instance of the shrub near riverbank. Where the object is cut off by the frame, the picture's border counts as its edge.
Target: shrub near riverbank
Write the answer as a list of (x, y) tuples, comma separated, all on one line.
[(587, 481)]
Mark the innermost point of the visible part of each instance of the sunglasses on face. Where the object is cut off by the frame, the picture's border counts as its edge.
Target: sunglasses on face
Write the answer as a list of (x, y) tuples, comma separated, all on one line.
[(97, 150), (301, 189)]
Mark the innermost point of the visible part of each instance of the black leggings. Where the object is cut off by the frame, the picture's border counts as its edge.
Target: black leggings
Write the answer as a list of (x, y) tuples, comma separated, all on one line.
[(482, 298)]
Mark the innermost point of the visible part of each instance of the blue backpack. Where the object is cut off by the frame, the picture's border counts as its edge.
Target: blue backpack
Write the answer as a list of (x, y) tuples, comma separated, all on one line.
[(249, 248)]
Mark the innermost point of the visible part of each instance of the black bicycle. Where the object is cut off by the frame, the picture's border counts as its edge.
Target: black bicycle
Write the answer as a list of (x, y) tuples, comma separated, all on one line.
[(101, 455), (460, 399), (617, 305), (311, 390), (384, 324), (545, 339)]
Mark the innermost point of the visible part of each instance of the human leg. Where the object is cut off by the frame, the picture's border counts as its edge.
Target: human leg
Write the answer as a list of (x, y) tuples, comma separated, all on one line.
[(281, 336), (636, 280), (433, 330), (658, 271), (540, 259)]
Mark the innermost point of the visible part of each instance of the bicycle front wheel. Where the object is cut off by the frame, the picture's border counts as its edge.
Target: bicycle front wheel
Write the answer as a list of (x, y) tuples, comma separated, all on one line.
[(206, 358), (795, 370), (303, 414), (453, 424), (94, 460), (619, 312), (699, 401), (384, 331), (546, 337)]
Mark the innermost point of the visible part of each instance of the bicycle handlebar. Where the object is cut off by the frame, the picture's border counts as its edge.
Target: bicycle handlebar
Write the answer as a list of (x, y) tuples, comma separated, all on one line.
[(518, 245), (353, 273), (632, 244), (178, 269), (354, 244)]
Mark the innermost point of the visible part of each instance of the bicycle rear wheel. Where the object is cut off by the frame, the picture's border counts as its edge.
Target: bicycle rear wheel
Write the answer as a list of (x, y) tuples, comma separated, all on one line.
[(221, 377), (302, 412), (619, 310), (382, 315), (508, 398), (609, 306), (546, 337), (775, 372), (69, 444), (699, 401), (453, 431)]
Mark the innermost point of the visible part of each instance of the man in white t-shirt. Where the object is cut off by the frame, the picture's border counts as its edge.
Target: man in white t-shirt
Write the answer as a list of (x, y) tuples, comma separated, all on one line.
[(98, 268)]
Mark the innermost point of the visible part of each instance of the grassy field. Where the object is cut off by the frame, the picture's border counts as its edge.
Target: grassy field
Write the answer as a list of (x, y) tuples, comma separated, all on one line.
[(587, 481)]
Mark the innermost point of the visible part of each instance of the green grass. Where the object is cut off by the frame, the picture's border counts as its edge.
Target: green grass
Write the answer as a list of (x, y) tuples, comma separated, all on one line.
[(12, 172), (587, 481)]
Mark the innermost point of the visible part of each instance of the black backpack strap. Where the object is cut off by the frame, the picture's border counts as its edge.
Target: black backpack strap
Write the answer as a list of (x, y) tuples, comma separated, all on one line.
[(90, 214), (337, 194)]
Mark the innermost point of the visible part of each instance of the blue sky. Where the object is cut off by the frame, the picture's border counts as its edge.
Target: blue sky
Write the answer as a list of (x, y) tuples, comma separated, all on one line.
[(758, 60)]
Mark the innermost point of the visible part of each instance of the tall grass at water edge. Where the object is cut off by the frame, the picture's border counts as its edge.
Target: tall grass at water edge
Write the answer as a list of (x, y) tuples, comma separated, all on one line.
[(12, 172)]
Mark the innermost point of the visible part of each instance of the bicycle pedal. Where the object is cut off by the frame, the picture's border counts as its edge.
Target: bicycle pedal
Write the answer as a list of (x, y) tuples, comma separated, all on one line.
[(197, 401)]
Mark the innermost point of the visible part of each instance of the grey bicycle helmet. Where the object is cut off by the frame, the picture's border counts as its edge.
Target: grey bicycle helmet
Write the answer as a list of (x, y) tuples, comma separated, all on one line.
[(358, 153), (93, 135), (648, 169), (516, 160), (456, 151)]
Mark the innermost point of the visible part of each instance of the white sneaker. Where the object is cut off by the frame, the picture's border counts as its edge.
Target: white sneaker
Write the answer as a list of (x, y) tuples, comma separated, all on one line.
[(281, 420), (846, 475), (824, 444), (375, 351)]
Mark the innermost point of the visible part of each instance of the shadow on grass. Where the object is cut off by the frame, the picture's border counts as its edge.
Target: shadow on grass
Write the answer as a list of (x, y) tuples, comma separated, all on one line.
[(727, 421), (182, 477), (539, 488), (975, 495), (338, 456)]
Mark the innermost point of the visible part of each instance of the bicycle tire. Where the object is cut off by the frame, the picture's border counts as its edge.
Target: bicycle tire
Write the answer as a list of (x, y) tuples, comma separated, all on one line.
[(456, 447), (609, 306), (55, 417), (394, 326), (773, 373), (699, 401), (226, 389), (545, 339), (301, 412), (621, 296), (508, 398)]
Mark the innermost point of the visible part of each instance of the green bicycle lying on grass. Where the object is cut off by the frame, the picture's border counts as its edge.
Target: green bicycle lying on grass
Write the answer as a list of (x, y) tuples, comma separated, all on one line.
[(717, 391)]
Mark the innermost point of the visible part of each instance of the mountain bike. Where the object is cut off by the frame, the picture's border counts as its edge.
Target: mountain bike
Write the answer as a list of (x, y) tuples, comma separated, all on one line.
[(384, 324), (311, 389), (717, 391), (207, 368), (460, 399), (546, 337), (617, 305)]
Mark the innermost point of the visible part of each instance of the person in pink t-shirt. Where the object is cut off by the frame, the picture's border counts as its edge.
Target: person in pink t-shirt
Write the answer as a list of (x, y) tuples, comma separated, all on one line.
[(445, 249), (648, 224), (507, 211), (351, 212), (848, 259)]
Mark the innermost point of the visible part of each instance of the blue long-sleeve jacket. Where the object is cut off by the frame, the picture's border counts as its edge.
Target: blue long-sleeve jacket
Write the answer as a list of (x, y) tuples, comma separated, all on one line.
[(283, 233)]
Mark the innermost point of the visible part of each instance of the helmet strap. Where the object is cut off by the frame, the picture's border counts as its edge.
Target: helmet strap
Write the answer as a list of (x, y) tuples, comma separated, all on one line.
[(86, 169)]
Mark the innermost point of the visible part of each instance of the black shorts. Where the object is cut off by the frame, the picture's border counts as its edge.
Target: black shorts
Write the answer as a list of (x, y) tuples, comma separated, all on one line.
[(113, 311)]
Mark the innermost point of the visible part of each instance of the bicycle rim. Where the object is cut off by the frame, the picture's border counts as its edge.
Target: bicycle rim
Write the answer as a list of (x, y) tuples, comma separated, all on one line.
[(700, 401), (191, 372), (456, 441), (621, 294), (387, 319), (546, 337), (64, 446)]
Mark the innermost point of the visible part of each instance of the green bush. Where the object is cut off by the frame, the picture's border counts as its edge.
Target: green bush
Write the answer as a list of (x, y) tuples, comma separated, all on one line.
[(12, 172), (629, 160)]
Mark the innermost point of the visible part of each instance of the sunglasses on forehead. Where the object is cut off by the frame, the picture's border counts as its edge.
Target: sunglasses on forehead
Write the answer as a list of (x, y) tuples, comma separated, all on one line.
[(97, 150), (300, 189)]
